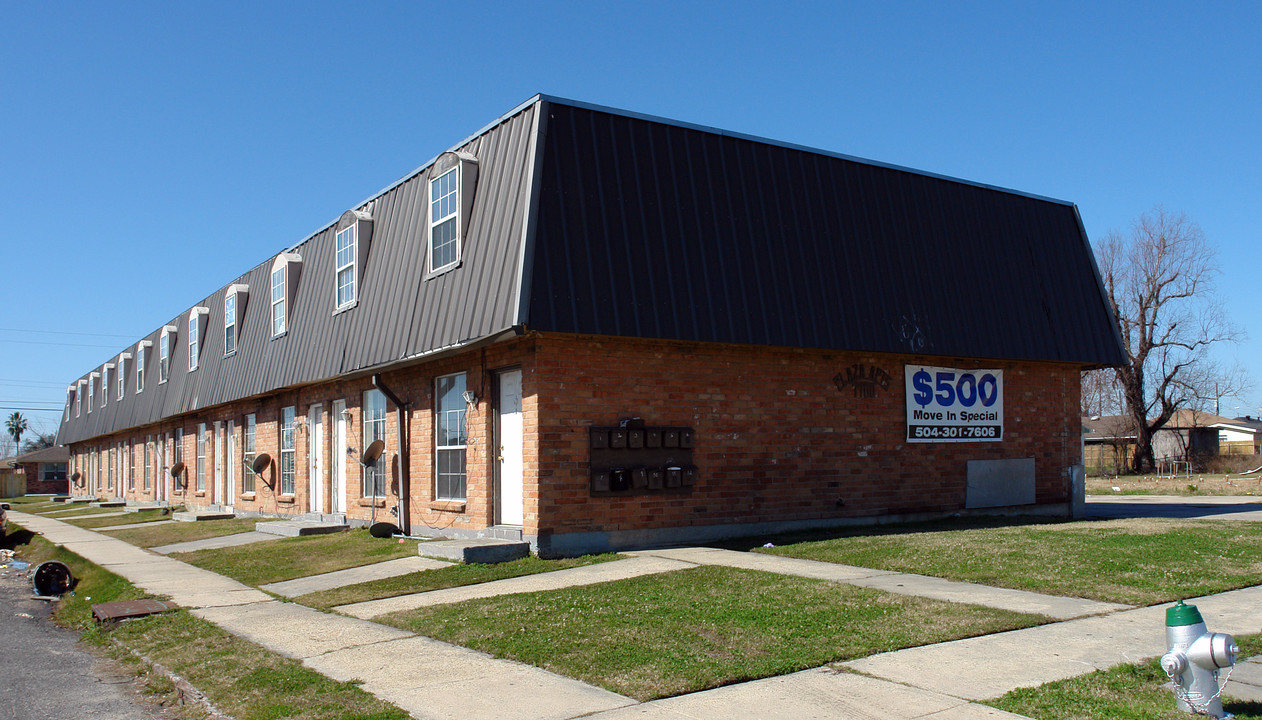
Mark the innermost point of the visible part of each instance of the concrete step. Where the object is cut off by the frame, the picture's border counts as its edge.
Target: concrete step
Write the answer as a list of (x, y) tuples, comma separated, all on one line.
[(295, 528), (475, 550), (335, 518), (61, 498), (146, 505), (504, 532), (108, 503), (197, 516)]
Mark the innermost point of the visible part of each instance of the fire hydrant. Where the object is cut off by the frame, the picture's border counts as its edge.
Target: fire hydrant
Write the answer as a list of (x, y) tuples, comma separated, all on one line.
[(1193, 658)]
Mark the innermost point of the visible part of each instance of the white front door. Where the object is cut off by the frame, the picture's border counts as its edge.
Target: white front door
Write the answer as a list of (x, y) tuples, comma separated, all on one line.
[(510, 448), (339, 456), (230, 465), (315, 453), (218, 492)]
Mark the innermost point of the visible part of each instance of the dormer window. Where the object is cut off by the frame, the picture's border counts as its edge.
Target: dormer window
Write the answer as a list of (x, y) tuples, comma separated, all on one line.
[(233, 303), (105, 383), (351, 241), (164, 353), (122, 374), (142, 349), (78, 398), (346, 246), (450, 199), (69, 397), (284, 277), (92, 390), (196, 319)]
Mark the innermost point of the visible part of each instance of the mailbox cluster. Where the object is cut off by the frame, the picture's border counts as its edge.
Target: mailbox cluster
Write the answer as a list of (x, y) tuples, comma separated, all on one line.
[(631, 460)]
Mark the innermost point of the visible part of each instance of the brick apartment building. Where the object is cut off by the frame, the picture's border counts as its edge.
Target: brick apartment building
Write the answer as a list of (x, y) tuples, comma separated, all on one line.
[(595, 329)]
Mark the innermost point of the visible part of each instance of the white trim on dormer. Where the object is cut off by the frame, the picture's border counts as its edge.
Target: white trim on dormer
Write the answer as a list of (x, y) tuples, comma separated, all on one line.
[(196, 335), (287, 267)]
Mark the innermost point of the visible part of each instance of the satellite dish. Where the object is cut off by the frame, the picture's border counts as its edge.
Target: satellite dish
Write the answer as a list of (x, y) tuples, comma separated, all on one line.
[(177, 469), (75, 477), (260, 463), (382, 530), (373, 453)]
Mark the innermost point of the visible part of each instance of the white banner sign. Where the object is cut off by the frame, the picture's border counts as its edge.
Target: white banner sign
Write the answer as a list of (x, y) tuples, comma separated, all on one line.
[(949, 405)]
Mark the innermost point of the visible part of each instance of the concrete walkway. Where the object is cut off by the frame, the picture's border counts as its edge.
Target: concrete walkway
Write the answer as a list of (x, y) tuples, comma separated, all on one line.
[(940, 681), (352, 576), (222, 541), (570, 577), (129, 526)]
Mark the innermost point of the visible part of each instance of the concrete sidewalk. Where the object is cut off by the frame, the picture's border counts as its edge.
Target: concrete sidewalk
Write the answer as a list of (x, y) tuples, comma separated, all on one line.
[(941, 681)]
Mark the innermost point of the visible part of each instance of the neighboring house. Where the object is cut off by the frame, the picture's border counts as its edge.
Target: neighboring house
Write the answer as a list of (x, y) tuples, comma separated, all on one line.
[(38, 471), (594, 329), (1191, 436), (1108, 443), (1240, 436)]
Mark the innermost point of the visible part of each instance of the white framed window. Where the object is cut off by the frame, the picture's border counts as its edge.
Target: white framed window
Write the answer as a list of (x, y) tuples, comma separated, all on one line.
[(229, 324), (92, 390), (122, 376), (278, 300), (131, 466), (196, 327), (347, 252), (105, 383), (451, 443), (444, 220), (141, 349), (164, 353), (201, 457), (177, 450), (287, 473), (247, 454), (78, 398), (70, 397), (374, 485)]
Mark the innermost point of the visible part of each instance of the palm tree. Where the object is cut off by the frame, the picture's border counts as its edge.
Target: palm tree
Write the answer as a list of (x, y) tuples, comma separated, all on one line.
[(16, 425)]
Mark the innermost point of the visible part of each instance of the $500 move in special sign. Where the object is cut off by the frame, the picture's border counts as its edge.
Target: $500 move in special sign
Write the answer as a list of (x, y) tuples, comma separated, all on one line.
[(949, 405)]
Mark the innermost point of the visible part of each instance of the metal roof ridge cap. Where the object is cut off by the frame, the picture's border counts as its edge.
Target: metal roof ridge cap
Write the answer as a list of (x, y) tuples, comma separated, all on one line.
[(794, 146)]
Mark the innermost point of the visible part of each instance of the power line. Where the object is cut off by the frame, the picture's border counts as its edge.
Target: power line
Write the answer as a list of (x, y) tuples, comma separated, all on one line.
[(64, 332), (37, 342)]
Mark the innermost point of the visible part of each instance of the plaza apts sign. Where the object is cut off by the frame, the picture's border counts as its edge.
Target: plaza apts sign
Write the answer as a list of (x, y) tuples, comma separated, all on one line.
[(950, 405)]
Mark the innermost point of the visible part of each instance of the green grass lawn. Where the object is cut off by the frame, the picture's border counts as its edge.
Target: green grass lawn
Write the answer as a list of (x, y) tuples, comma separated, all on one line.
[(1138, 562), (147, 537), (294, 557), (1125, 692), (455, 575), (688, 630), (242, 679)]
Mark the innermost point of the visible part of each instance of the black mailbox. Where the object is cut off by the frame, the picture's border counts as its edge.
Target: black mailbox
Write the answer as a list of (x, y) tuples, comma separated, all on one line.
[(600, 481), (639, 478), (599, 439), (619, 480)]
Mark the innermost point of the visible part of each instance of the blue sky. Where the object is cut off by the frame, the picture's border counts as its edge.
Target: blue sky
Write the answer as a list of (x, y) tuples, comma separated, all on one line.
[(151, 152)]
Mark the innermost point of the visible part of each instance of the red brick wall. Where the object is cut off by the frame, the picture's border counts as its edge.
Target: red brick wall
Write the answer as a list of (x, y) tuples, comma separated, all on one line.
[(775, 438)]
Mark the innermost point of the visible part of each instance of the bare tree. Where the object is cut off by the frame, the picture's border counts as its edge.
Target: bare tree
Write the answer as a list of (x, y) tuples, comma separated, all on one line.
[(1101, 393), (1160, 281)]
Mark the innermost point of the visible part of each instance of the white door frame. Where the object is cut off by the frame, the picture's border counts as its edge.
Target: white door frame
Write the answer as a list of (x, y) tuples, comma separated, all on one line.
[(338, 456), (230, 465), (315, 458), (509, 469), (218, 494)]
